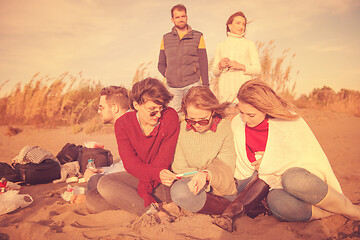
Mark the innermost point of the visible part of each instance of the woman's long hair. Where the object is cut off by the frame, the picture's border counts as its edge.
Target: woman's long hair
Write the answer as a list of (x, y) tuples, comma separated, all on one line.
[(203, 98), (262, 97)]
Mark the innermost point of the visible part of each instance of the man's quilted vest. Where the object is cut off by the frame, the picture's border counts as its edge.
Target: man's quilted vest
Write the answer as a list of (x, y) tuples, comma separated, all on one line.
[(182, 59)]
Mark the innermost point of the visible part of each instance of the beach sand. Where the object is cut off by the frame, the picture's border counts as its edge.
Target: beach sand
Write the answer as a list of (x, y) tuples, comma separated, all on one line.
[(50, 217)]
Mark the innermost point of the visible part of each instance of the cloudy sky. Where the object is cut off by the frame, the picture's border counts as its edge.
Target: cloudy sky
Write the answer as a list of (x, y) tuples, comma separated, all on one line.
[(107, 40)]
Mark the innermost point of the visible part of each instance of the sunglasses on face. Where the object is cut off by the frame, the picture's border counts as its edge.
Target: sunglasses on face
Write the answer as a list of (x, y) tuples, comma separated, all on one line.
[(154, 113), (203, 122)]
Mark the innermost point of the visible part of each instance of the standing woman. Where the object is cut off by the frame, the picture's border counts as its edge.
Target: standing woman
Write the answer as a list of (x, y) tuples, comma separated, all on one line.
[(236, 59), (273, 139), (146, 141), (205, 145)]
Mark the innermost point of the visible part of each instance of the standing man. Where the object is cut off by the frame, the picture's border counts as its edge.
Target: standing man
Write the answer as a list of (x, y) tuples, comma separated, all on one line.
[(183, 58)]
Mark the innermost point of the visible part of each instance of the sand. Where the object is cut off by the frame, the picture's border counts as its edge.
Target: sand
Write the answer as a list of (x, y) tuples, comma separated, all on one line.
[(50, 217)]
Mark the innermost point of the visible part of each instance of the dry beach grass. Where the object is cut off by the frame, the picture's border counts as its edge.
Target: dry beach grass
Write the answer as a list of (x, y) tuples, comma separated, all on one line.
[(50, 217)]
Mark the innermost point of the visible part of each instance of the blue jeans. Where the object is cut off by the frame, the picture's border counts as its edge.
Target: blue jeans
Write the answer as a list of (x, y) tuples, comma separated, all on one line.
[(301, 190), (184, 198), (179, 93)]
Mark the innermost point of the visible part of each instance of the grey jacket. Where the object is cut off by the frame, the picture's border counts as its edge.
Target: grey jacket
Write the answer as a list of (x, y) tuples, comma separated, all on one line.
[(181, 61)]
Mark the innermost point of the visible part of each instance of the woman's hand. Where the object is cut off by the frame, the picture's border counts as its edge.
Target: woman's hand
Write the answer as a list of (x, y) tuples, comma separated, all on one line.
[(224, 63), (197, 182), (259, 157), (167, 177), (234, 65)]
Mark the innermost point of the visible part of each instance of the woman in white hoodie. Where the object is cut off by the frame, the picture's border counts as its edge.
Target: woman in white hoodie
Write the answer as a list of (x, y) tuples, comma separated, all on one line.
[(236, 59), (275, 143)]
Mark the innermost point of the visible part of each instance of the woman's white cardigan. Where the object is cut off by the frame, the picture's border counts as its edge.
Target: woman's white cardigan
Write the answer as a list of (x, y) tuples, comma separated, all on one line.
[(290, 143)]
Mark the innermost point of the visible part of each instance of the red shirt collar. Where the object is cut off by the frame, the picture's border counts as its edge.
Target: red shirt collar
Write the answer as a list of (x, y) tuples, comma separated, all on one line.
[(213, 127)]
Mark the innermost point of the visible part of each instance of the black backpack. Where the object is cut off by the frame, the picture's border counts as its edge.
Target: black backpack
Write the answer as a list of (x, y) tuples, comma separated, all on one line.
[(68, 153), (8, 172), (35, 173), (101, 157)]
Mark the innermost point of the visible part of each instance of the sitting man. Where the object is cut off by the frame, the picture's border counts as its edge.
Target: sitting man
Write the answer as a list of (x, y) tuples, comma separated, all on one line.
[(114, 102)]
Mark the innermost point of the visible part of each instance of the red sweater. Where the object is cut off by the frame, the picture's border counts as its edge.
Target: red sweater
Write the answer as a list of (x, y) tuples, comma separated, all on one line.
[(256, 138), (145, 156)]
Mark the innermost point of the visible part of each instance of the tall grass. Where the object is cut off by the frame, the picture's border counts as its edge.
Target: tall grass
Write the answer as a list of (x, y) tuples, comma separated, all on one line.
[(67, 99), (277, 70), (141, 72), (72, 100), (345, 101)]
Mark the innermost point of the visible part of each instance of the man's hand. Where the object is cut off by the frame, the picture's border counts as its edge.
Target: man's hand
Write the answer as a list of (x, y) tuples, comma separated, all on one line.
[(167, 177)]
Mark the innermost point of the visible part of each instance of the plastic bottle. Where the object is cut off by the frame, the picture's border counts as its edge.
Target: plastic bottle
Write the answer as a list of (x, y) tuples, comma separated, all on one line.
[(91, 164)]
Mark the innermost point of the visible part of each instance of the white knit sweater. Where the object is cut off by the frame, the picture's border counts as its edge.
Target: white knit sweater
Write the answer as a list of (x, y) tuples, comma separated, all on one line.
[(243, 51), (290, 144)]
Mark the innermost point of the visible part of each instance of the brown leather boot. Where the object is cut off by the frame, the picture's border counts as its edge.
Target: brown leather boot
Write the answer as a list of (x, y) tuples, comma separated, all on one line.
[(261, 208), (214, 205), (250, 197)]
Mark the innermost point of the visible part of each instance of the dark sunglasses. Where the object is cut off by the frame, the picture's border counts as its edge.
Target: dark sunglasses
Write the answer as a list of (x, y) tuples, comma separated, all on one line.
[(153, 113), (201, 122)]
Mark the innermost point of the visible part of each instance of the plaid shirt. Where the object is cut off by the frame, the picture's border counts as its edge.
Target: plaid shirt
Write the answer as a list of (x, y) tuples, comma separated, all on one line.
[(213, 127)]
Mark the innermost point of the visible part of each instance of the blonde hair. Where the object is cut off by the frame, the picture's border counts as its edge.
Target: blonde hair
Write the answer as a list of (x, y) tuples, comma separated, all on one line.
[(203, 98), (262, 97)]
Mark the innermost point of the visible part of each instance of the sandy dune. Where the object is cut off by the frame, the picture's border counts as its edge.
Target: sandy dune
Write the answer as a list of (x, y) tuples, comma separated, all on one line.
[(50, 217)]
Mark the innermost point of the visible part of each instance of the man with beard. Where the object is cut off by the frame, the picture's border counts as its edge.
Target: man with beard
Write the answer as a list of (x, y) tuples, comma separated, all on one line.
[(183, 58), (114, 102)]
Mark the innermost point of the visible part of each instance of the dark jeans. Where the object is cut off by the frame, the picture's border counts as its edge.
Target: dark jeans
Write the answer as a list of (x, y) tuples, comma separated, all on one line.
[(119, 191)]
